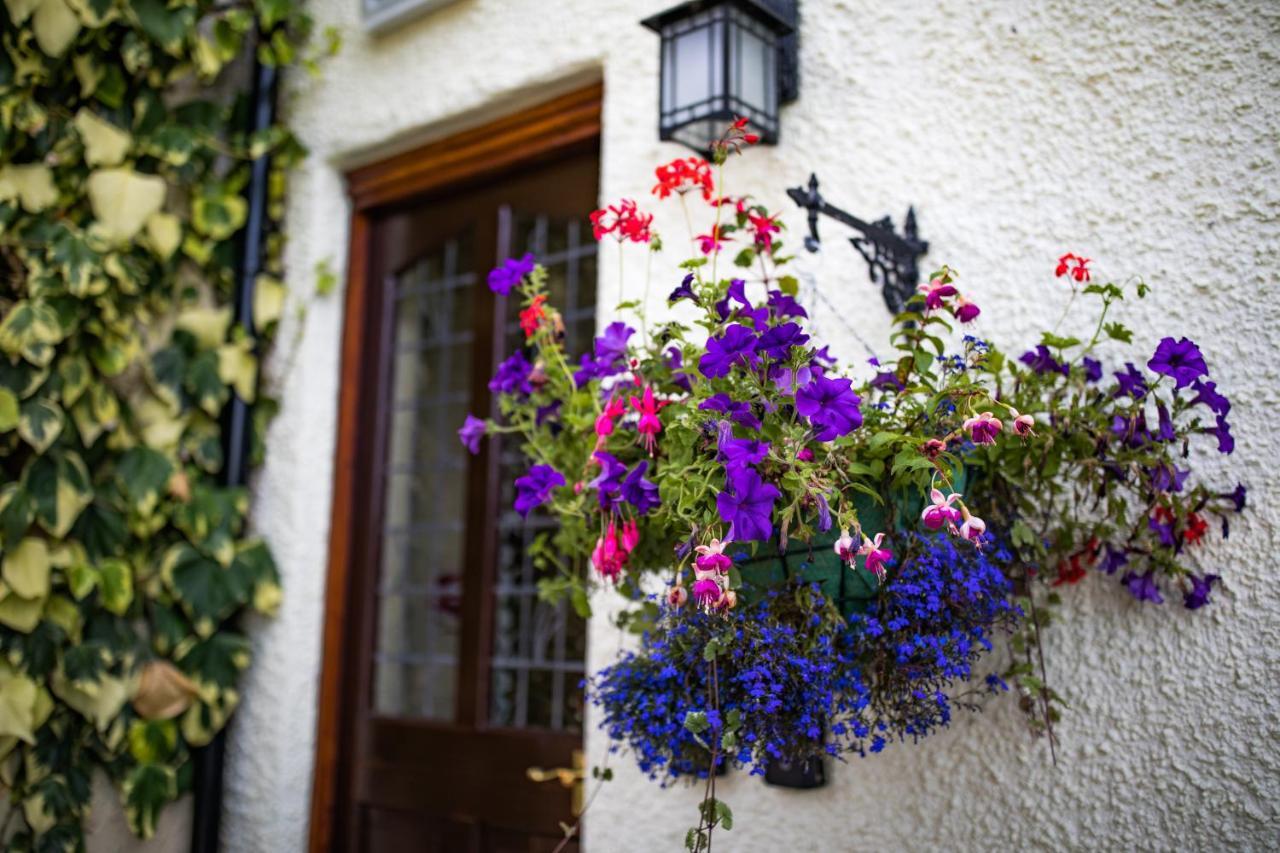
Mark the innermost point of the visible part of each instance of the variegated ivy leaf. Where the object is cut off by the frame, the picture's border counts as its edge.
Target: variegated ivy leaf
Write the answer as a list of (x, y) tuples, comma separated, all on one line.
[(142, 474), (59, 488), (75, 373), (205, 718), (207, 325), (104, 143), (146, 790), (99, 702), (31, 184), (20, 10), (55, 26), (16, 512), (152, 741), (20, 614), (26, 568), (29, 322), (268, 301), (168, 24), (207, 591), (205, 384), (123, 200), (18, 697), (164, 233), (39, 423), (238, 368), (218, 215), (115, 585)]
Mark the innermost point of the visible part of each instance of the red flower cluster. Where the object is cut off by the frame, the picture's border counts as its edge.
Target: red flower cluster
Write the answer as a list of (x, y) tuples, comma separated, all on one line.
[(682, 175), (1197, 527), (1073, 569), (1073, 265), (531, 317), (624, 220)]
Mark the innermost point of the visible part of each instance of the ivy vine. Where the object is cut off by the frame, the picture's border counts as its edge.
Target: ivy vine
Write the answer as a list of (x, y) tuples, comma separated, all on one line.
[(123, 159)]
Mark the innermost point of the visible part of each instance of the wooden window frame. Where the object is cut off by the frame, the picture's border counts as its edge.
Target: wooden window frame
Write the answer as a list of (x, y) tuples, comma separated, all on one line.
[(544, 132)]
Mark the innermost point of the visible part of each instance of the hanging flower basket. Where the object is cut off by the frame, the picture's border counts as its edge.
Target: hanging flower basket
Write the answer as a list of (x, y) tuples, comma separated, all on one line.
[(822, 558)]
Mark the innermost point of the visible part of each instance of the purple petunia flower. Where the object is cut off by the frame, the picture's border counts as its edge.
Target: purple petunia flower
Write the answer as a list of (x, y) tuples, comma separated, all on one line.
[(1238, 496), (824, 514), (776, 342), (1131, 382), (740, 413), (1163, 530), (680, 379), (608, 483), (887, 379), (1113, 559), (1168, 478), (512, 376), (741, 452), (1165, 431), (1207, 393), (1198, 595), (1092, 369), (545, 413), (1222, 431), (831, 407), (787, 380), (639, 492), (746, 505), (1143, 587), (534, 488), (823, 355), (1042, 361), (1132, 431), (684, 291), (783, 305), (472, 430), (1180, 359), (509, 273), (737, 345), (612, 345), (735, 293)]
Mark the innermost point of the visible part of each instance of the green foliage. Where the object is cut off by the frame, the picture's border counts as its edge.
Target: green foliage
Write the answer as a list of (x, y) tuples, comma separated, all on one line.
[(122, 559)]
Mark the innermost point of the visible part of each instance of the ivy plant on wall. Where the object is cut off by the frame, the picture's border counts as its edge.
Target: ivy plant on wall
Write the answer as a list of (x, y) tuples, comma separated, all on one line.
[(123, 159)]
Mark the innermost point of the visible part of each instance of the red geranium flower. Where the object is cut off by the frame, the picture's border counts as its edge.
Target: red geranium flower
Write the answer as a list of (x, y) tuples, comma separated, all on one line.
[(1197, 527), (682, 175), (531, 317), (1073, 265), (624, 220)]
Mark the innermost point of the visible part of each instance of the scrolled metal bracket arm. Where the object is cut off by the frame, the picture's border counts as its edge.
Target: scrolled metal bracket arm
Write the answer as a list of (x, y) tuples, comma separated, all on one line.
[(892, 258)]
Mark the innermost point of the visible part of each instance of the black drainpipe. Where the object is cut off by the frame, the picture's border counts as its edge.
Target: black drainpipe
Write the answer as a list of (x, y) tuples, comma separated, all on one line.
[(236, 425)]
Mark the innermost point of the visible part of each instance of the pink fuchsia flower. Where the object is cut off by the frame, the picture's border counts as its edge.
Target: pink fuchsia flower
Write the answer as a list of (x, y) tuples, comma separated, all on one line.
[(876, 556), (612, 409), (933, 448), (713, 242), (984, 428), (706, 591), (1023, 425), (677, 596), (727, 600), (845, 548), (711, 558), (630, 535), (804, 455), (609, 556), (649, 426), (935, 291), (763, 227), (973, 528), (966, 311), (940, 512)]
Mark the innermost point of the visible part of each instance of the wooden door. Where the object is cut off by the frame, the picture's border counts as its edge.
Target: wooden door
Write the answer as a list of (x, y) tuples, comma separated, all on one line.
[(456, 679)]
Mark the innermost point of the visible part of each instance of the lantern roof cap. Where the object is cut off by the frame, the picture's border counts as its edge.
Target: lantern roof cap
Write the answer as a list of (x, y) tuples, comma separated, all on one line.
[(757, 9)]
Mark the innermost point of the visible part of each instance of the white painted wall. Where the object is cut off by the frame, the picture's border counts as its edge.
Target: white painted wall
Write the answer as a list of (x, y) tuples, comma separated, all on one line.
[(1142, 134)]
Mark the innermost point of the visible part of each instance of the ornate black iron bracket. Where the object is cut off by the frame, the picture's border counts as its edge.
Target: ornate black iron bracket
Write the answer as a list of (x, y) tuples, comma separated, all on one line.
[(892, 258)]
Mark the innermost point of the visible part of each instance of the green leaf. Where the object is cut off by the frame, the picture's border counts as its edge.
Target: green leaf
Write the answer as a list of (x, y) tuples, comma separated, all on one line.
[(60, 489), (696, 722), (8, 410), (40, 423), (219, 660), (26, 568), (166, 25), (789, 285), (115, 583), (55, 26), (20, 614), (146, 790), (1119, 332), (31, 183), (207, 591), (143, 474), (17, 706), (218, 216), (723, 814), (16, 512), (152, 741)]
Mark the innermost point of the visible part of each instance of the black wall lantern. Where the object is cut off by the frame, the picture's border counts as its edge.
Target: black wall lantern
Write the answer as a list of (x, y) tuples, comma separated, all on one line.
[(724, 59)]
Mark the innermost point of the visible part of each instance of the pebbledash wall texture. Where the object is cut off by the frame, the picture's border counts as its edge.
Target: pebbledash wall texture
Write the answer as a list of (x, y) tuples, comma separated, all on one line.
[(1143, 135)]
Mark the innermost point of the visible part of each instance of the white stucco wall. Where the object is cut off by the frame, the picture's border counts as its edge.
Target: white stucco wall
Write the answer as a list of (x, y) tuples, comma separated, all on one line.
[(1142, 134)]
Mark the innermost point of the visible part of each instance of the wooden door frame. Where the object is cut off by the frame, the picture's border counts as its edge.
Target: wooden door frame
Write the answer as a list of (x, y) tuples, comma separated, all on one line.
[(550, 130)]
